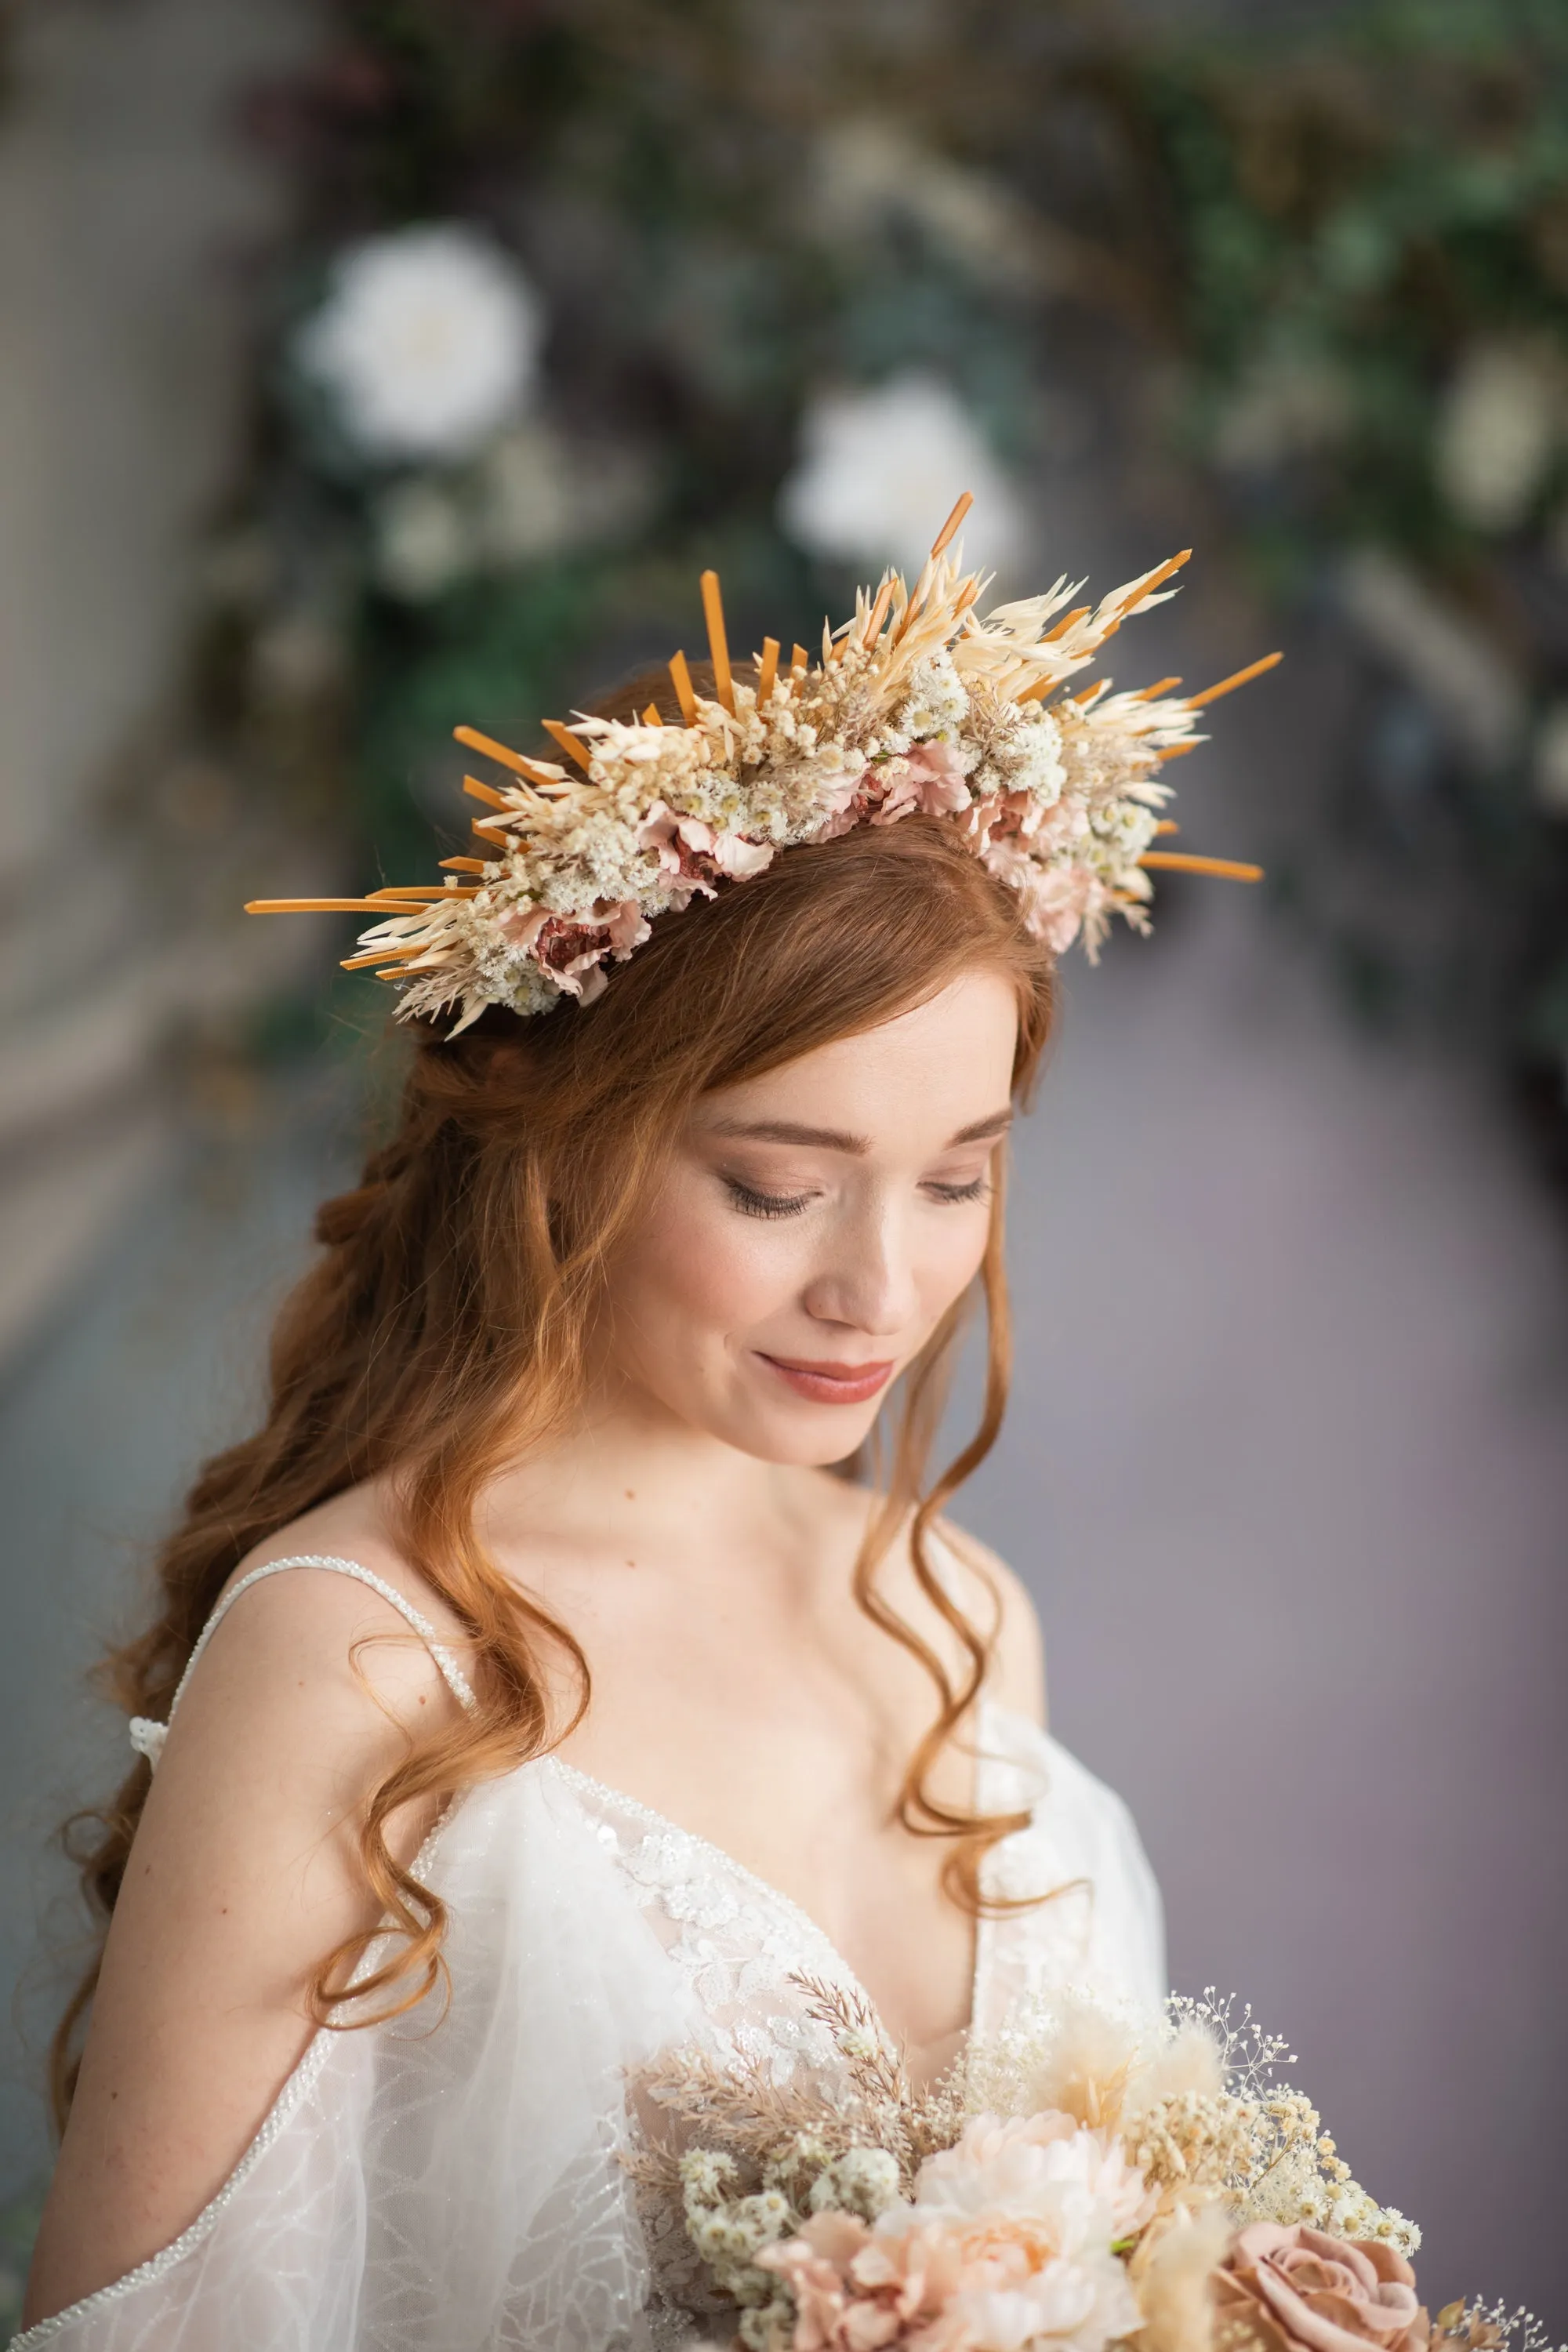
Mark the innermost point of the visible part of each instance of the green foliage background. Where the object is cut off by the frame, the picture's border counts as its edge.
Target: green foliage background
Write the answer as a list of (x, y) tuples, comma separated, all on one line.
[(1272, 253)]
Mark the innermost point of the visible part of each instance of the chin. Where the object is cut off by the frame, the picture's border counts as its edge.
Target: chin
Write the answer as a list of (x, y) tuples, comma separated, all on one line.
[(811, 1438)]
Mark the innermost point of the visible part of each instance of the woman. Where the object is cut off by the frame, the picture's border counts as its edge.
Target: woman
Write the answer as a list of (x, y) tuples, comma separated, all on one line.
[(552, 1678)]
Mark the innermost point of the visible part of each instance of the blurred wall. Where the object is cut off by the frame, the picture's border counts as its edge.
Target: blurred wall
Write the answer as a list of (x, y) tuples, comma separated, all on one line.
[(126, 204)]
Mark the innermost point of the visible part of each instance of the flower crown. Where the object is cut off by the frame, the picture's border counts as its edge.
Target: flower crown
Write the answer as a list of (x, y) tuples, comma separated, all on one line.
[(916, 706)]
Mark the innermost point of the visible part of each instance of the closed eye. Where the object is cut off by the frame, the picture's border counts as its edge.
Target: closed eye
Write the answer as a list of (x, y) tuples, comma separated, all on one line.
[(976, 1190), (765, 1204)]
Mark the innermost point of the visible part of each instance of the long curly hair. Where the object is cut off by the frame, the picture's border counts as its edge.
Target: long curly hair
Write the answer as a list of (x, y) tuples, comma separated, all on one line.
[(443, 1326)]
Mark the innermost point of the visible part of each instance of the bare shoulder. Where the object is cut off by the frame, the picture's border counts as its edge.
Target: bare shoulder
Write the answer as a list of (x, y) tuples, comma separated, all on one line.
[(315, 1663), (246, 1874), (998, 1596), (354, 1529)]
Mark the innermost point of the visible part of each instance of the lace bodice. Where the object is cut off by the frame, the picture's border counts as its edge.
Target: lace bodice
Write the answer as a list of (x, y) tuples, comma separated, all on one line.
[(419, 2190)]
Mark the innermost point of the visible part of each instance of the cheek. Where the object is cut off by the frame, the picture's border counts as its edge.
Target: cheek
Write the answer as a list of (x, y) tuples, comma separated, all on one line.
[(695, 1262), (953, 1255)]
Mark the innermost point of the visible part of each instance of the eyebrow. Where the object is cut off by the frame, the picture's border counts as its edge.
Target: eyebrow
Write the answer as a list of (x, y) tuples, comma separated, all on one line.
[(838, 1139)]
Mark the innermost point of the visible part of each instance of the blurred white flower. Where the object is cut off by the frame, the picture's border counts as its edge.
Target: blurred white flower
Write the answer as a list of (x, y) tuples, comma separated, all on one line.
[(427, 343), (1442, 654), (1285, 407), (879, 471), (1557, 539), (1550, 763), (422, 541), (297, 657), (540, 491), (1495, 433), (869, 172), (527, 505)]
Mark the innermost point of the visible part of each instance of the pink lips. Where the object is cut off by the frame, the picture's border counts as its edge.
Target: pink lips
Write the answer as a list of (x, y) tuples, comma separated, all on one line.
[(832, 1383)]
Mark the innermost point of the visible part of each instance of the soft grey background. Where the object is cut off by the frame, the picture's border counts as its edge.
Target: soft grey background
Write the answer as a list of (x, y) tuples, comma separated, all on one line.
[(1286, 1465)]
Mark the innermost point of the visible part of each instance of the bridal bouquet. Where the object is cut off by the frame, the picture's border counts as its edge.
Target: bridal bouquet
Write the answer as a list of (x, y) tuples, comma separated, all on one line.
[(1089, 2178)]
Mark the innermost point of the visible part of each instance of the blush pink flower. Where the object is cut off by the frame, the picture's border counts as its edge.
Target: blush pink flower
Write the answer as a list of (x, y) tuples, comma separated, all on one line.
[(856, 2294), (1058, 900), (693, 850), (572, 949), (1042, 2178), (735, 855), (1300, 2290), (1006, 2244), (930, 780)]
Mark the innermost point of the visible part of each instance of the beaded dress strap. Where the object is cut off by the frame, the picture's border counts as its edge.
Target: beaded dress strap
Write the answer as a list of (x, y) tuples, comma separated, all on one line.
[(147, 1737)]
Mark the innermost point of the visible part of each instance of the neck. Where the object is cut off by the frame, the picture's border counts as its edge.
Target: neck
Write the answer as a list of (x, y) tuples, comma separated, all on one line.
[(629, 1468)]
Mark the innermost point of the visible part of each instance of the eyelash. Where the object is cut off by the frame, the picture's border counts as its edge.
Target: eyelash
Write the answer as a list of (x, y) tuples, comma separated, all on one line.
[(764, 1204), (773, 1204)]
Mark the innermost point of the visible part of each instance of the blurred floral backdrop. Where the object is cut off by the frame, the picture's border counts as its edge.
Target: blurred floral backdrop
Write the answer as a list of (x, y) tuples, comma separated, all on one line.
[(568, 283)]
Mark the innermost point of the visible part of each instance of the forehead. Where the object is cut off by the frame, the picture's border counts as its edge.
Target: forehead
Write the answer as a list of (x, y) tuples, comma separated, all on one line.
[(939, 1068)]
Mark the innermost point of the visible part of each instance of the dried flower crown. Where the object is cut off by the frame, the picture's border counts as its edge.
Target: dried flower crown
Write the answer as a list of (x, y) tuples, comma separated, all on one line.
[(917, 706)]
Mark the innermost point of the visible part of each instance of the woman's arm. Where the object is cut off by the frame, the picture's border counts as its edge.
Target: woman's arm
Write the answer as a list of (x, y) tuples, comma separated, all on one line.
[(244, 1874)]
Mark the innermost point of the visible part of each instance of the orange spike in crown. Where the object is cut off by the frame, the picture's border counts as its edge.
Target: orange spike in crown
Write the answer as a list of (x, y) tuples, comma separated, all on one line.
[(916, 706)]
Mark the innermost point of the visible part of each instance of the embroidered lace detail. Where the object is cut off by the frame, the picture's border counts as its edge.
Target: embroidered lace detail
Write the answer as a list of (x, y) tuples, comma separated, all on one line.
[(738, 1940), (741, 1942)]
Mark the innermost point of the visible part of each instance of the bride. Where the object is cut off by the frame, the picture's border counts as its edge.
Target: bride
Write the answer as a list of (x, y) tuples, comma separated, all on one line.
[(576, 1660)]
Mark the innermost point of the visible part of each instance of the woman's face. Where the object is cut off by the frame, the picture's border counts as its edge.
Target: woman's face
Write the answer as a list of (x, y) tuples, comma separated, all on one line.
[(815, 1225)]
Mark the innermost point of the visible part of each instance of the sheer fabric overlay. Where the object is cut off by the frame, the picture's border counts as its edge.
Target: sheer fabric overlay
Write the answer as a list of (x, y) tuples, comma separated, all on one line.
[(443, 2185)]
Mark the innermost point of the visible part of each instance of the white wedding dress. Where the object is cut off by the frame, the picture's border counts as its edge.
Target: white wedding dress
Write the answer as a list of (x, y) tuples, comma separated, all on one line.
[(456, 2186)]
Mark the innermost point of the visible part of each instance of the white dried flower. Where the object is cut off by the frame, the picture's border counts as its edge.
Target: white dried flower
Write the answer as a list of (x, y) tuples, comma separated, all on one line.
[(427, 343), (865, 2180), (937, 703)]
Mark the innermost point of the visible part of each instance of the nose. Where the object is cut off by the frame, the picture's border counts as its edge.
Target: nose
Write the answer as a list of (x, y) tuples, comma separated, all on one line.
[(867, 1282)]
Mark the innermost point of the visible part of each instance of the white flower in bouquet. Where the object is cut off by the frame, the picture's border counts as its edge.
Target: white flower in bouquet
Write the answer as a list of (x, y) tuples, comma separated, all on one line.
[(874, 466), (1031, 2209), (1072, 2188), (1496, 433), (426, 343)]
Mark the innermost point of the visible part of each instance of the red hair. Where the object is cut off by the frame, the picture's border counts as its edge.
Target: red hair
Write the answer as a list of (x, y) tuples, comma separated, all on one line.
[(447, 1313)]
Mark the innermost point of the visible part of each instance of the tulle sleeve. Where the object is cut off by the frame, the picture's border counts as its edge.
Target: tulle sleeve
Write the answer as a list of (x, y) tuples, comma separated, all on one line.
[(1095, 1916), (433, 2191), (1127, 1934)]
